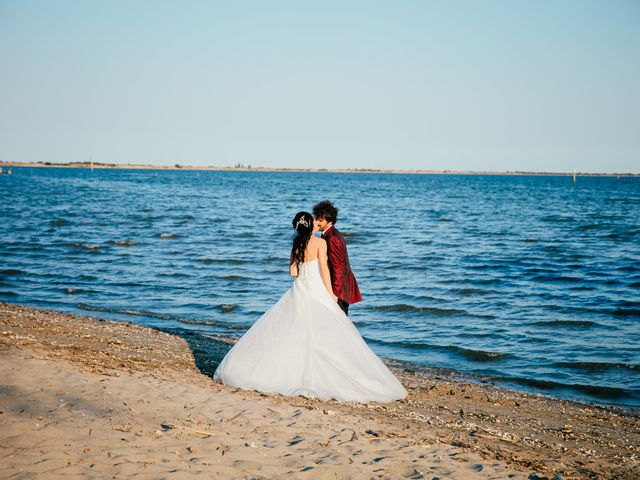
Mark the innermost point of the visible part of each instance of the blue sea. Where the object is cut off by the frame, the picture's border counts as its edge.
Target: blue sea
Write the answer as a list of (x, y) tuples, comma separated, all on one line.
[(529, 282)]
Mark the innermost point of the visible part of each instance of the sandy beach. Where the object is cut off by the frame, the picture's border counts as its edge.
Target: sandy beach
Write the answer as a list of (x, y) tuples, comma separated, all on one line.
[(83, 397)]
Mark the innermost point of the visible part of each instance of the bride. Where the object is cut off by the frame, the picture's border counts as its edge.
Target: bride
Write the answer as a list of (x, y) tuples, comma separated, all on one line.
[(305, 344)]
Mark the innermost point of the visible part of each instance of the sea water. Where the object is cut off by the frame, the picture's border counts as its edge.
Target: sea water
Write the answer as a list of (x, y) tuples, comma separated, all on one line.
[(527, 281)]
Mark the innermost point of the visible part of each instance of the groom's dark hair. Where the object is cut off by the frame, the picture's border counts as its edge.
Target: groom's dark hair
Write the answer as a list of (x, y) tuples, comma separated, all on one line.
[(326, 210)]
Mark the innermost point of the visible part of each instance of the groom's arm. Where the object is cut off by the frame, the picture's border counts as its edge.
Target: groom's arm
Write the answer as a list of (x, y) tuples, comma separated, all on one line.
[(338, 254)]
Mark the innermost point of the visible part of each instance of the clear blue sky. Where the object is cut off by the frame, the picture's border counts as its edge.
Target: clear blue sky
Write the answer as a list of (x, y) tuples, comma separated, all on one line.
[(505, 85)]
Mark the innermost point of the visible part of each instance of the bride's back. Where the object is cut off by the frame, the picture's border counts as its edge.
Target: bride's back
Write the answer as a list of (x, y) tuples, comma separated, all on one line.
[(313, 248)]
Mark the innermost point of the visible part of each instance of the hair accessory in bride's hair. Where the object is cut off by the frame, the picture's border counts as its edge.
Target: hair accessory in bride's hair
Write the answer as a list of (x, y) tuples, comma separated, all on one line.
[(302, 221)]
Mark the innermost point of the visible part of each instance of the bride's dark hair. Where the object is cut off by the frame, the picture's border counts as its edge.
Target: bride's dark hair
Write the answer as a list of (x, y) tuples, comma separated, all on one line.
[(303, 225)]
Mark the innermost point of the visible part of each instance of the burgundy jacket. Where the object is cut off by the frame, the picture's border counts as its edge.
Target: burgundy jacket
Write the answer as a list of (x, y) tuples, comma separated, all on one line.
[(343, 281)]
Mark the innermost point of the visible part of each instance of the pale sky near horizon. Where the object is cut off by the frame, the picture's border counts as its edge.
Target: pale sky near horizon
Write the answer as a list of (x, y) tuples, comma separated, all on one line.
[(451, 85)]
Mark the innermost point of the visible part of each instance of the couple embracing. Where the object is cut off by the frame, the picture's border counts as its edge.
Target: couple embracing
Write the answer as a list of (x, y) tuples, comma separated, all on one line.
[(340, 281), (305, 344)]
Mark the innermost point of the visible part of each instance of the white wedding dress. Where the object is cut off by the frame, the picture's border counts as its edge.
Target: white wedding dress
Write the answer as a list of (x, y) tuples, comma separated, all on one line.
[(306, 345)]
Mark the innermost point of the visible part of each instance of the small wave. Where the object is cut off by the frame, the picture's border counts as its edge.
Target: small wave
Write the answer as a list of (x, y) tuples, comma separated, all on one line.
[(433, 258), (581, 288), (85, 246), (556, 278), (487, 281), (473, 291), (173, 275), (628, 303), (539, 270), (222, 338), (597, 366), (566, 323), (627, 312), (128, 311), (236, 278), (394, 267), (214, 323), (403, 307), (627, 308), (470, 354), (535, 340), (628, 268), (168, 235), (428, 299), (124, 243), (272, 259), (575, 257), (479, 355), (593, 390), (621, 235), (59, 222), (161, 316), (476, 335), (11, 271), (209, 261), (8, 293), (137, 218), (558, 218), (589, 226), (76, 291), (484, 266)]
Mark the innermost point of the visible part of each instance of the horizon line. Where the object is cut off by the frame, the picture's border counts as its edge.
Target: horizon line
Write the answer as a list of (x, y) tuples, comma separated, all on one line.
[(242, 167)]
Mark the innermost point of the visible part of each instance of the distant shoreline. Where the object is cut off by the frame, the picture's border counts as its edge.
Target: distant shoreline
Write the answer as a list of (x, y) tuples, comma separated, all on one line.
[(242, 168)]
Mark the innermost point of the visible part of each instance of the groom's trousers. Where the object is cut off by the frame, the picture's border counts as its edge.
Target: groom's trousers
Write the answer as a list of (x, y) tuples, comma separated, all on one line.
[(344, 306)]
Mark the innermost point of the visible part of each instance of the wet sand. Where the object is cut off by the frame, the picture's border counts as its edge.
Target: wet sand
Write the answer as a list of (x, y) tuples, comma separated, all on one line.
[(83, 397)]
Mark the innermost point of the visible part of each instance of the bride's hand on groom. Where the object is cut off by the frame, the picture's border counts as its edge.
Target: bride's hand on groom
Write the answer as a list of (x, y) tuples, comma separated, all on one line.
[(335, 299)]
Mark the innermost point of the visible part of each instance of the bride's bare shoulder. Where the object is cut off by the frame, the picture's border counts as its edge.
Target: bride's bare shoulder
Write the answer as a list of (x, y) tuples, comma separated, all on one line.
[(318, 241), (320, 245), (316, 245)]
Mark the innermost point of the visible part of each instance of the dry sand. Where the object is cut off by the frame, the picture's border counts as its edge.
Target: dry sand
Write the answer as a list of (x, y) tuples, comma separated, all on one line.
[(91, 398)]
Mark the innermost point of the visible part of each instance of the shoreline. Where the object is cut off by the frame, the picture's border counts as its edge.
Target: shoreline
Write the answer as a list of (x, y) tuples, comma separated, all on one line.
[(458, 376), (117, 166), (209, 348), (147, 421)]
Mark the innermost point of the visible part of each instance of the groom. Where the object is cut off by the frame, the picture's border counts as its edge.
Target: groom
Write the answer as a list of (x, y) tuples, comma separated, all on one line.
[(343, 281)]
